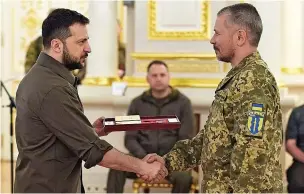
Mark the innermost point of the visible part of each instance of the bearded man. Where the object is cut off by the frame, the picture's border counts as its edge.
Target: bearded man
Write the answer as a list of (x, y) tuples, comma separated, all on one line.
[(52, 133)]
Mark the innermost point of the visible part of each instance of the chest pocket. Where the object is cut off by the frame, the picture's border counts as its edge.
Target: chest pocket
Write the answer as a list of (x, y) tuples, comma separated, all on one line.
[(216, 132), (218, 103)]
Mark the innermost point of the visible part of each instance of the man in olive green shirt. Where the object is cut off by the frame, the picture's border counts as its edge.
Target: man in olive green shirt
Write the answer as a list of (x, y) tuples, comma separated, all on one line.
[(239, 147), (52, 133)]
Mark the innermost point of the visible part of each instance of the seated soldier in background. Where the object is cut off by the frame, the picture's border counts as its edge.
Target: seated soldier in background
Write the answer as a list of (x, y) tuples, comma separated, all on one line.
[(295, 147), (160, 99)]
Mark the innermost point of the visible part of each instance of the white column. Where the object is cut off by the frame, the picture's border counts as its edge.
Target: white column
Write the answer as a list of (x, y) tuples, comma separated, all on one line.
[(130, 40), (271, 40), (1, 65), (292, 32), (103, 60)]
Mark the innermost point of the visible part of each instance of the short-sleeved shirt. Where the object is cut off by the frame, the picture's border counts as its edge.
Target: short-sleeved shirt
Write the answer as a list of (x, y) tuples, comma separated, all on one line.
[(52, 133), (295, 126)]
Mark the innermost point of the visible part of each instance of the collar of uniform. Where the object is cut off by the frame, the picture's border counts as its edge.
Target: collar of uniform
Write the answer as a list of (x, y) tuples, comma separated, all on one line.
[(247, 60), (55, 66)]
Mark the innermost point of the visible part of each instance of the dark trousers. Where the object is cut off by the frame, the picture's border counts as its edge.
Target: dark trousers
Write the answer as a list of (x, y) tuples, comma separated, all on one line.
[(295, 178), (116, 181)]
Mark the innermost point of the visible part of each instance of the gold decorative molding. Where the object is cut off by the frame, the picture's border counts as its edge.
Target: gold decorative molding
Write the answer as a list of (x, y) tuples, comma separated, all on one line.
[(173, 56), (202, 34), (100, 81), (292, 70), (31, 22), (141, 82), (226, 67), (188, 62), (25, 25), (185, 67)]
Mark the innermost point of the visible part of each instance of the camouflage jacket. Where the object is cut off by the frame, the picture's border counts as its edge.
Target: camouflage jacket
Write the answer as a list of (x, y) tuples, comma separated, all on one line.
[(32, 53), (240, 144)]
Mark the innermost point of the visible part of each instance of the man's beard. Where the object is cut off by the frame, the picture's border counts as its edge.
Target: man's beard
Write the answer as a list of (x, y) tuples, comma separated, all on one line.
[(70, 62), (225, 58)]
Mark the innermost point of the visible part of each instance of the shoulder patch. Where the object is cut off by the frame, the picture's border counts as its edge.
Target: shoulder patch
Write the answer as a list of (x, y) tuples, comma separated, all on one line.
[(255, 123)]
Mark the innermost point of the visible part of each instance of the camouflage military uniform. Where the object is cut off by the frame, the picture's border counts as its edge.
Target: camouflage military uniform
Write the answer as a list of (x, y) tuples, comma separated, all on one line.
[(239, 147), (32, 54)]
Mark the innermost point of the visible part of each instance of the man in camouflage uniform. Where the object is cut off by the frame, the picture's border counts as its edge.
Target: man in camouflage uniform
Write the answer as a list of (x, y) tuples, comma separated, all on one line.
[(239, 147)]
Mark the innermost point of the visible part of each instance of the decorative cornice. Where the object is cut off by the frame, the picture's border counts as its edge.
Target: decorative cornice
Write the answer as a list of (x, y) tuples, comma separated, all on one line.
[(292, 70), (202, 34), (173, 56), (141, 82)]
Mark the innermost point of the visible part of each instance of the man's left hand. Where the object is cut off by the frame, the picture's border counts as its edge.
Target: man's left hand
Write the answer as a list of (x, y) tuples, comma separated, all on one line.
[(99, 127)]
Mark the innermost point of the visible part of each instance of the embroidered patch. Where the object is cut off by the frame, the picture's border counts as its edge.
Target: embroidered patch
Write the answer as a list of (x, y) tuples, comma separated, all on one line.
[(255, 123)]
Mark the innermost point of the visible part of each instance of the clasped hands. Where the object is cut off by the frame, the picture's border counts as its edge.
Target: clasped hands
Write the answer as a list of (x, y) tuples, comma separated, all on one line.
[(99, 126), (154, 169)]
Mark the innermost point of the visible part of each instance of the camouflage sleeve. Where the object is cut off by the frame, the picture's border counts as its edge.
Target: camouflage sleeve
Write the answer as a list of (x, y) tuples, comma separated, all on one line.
[(253, 104), (187, 129), (32, 54), (185, 154)]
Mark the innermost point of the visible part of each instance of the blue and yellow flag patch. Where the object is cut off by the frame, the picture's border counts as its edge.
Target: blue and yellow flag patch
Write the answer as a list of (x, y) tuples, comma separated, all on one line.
[(255, 123)]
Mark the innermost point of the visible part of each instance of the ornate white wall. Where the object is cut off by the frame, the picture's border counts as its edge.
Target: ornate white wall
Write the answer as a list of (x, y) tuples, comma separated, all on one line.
[(154, 31)]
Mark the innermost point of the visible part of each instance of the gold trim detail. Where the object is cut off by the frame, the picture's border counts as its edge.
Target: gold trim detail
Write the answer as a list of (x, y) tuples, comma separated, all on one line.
[(202, 34), (187, 62), (226, 67), (155, 56), (292, 70), (185, 67), (141, 82)]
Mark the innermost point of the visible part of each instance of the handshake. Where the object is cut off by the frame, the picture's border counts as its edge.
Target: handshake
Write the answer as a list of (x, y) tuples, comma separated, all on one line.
[(153, 169)]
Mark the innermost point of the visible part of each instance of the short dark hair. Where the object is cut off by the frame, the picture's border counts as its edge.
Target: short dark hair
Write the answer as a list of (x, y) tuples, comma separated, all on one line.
[(247, 16), (57, 24), (158, 62)]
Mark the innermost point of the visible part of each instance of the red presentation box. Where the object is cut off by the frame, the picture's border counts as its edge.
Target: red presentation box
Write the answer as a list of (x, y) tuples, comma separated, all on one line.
[(136, 122)]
